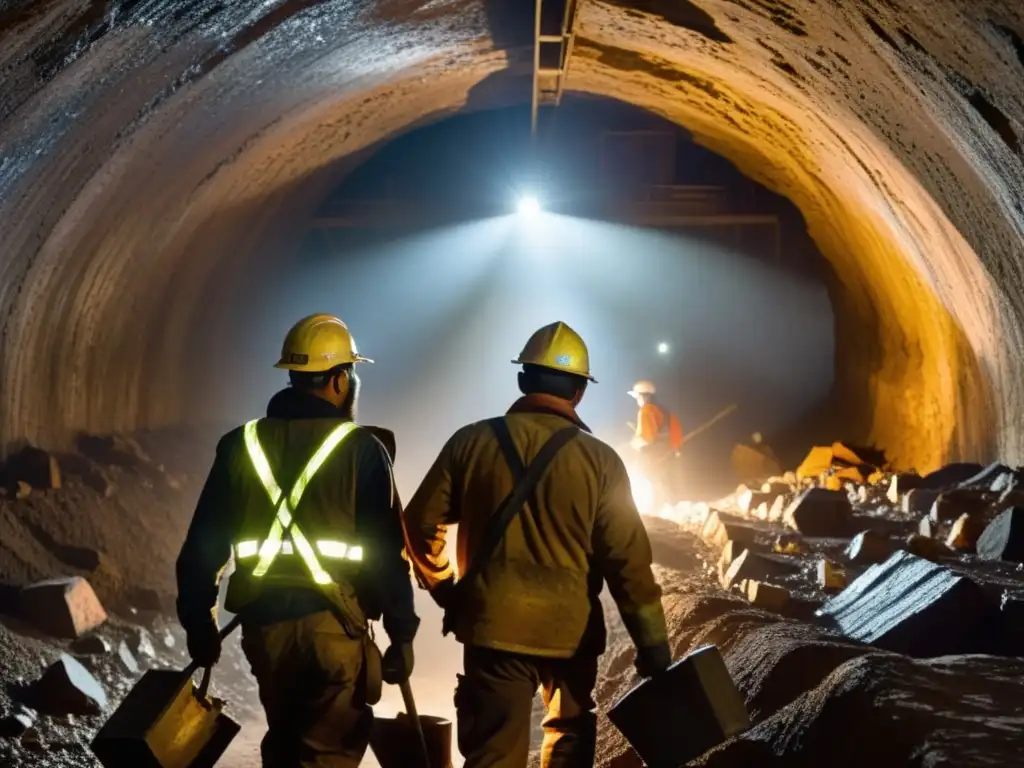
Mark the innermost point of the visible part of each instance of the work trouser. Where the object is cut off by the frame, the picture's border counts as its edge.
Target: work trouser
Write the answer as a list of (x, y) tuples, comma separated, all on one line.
[(309, 673), (657, 465), (494, 703)]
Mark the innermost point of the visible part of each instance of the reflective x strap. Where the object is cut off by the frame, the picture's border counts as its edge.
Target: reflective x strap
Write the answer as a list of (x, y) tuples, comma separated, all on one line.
[(283, 520)]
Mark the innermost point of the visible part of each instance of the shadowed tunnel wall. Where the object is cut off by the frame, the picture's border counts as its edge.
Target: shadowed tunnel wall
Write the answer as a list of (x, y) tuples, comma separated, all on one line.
[(155, 154)]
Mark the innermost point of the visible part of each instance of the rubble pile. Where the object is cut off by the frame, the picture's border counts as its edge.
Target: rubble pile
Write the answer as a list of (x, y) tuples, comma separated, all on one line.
[(87, 548), (846, 594)]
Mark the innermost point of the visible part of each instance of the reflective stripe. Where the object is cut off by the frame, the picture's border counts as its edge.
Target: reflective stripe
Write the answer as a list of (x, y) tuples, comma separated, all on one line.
[(247, 548), (283, 520), (332, 548)]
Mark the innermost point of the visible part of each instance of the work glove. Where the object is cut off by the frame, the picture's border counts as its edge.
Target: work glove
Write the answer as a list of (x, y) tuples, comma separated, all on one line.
[(442, 593), (653, 660), (398, 663), (204, 644)]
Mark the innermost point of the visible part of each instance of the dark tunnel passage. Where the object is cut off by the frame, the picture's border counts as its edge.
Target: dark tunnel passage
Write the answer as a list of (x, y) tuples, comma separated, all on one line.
[(166, 169), (422, 251), (157, 157)]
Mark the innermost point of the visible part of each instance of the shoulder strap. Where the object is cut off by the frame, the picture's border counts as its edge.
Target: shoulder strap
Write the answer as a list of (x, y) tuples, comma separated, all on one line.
[(526, 479)]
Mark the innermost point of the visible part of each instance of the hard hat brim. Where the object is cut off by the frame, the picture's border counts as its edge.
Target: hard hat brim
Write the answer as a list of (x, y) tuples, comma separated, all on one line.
[(586, 376), (284, 365)]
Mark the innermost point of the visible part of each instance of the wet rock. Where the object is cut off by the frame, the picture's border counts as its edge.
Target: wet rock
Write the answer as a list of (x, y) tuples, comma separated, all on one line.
[(65, 608), (928, 548), (869, 547), (91, 645), (820, 513), (919, 501), (829, 577), (950, 476), (1003, 538), (32, 466), (766, 596), (127, 658), (910, 605), (751, 566), (67, 688), (966, 531), (963, 501), (901, 484)]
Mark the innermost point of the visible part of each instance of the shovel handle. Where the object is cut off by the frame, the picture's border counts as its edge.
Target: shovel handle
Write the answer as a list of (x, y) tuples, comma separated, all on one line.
[(204, 684), (410, 710)]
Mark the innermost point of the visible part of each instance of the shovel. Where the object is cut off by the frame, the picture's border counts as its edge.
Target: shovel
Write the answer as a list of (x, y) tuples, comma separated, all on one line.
[(411, 740), (166, 722)]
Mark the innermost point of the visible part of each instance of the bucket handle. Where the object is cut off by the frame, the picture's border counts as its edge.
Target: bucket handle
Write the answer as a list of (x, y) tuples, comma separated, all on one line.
[(204, 685)]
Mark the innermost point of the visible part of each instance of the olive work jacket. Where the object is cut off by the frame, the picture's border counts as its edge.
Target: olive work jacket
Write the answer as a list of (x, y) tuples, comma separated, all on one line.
[(356, 482), (538, 594)]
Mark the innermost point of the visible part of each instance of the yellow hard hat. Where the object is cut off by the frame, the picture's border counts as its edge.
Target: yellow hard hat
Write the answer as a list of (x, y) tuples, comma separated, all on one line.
[(318, 343), (642, 387), (559, 347)]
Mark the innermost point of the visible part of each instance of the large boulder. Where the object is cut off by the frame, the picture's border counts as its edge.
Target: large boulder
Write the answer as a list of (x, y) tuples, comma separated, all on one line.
[(65, 607), (913, 606), (818, 512), (1003, 538)]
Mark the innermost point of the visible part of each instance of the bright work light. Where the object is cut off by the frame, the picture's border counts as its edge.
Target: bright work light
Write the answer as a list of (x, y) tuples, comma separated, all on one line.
[(663, 348), (528, 206)]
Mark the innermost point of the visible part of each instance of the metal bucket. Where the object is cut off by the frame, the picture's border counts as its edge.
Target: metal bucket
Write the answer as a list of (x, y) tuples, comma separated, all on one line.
[(697, 704), (165, 723), (396, 743)]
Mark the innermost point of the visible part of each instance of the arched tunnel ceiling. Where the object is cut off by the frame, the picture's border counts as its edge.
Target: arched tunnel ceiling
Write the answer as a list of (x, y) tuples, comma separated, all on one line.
[(151, 149)]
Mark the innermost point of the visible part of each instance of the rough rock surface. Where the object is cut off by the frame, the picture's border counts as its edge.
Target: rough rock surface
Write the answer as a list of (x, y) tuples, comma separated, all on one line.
[(895, 127)]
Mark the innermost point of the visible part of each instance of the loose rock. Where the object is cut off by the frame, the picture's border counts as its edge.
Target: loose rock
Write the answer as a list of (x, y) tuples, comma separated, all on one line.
[(24, 490), (910, 605), (33, 466), (901, 484), (91, 645), (830, 577), (67, 688), (20, 719), (869, 547), (952, 504), (749, 565), (930, 549), (127, 659), (919, 501), (1003, 538), (766, 596), (950, 476), (965, 532), (62, 607), (820, 513)]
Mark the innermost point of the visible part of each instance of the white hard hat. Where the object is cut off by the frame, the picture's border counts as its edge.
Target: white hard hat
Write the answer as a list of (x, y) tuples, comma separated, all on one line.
[(642, 387)]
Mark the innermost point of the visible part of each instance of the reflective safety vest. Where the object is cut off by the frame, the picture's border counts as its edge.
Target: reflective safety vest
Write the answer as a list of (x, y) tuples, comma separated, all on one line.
[(285, 538)]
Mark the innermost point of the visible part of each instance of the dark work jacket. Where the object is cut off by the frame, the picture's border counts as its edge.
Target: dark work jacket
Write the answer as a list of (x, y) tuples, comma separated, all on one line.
[(382, 585), (538, 593)]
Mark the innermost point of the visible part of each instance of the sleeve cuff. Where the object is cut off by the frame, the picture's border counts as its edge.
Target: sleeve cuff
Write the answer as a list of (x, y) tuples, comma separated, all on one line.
[(646, 625)]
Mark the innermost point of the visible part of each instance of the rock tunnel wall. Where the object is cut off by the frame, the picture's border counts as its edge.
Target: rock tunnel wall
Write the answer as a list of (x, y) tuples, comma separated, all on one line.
[(155, 153)]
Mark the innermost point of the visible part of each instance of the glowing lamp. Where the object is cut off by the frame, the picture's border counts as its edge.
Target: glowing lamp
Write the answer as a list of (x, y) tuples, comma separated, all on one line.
[(528, 206)]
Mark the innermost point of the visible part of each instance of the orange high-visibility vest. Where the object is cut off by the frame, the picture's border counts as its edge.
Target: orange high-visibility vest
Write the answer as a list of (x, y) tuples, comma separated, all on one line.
[(653, 424)]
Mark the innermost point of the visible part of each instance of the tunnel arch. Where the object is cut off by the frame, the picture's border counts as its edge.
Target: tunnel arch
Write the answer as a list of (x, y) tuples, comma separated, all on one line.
[(140, 180)]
